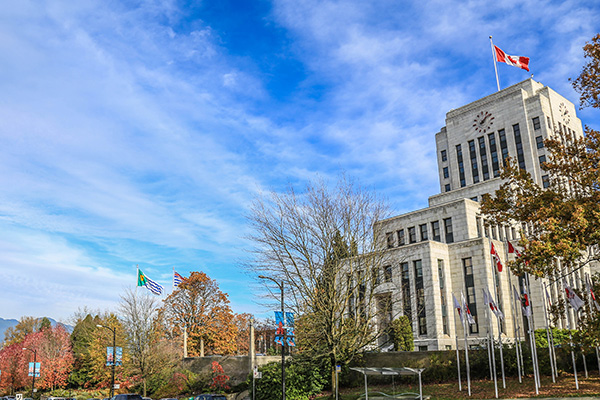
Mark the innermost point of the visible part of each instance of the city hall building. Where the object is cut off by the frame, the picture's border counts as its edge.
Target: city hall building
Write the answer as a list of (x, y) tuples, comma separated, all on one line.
[(445, 248)]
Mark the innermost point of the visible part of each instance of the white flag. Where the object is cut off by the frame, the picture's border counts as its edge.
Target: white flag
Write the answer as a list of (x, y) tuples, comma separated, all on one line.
[(468, 314), (574, 300), (458, 308)]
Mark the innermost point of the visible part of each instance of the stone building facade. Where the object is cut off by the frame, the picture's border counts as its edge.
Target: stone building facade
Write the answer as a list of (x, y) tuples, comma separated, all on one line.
[(444, 249)]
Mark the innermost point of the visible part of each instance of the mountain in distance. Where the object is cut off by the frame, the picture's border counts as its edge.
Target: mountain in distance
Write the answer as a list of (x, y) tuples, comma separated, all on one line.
[(11, 323)]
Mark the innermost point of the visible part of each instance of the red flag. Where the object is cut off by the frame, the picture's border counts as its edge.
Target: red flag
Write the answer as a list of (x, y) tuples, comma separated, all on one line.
[(496, 258), (515, 61)]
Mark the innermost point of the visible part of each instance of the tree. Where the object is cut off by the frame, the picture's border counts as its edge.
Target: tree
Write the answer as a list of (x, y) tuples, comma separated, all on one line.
[(402, 334), (242, 328), (199, 305), (13, 367), (563, 220), (310, 242), (139, 313), (17, 333), (81, 341)]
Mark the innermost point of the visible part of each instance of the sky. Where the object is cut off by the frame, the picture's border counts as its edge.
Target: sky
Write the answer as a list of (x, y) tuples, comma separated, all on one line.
[(139, 132)]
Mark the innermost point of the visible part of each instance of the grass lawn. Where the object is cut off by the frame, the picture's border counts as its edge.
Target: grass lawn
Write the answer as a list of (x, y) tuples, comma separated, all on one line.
[(484, 389)]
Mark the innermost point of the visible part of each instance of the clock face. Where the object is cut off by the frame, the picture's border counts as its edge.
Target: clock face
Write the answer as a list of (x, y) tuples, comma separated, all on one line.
[(483, 122), (564, 113)]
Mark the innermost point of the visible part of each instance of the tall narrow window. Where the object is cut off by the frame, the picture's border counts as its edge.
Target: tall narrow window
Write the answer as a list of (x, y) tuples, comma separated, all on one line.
[(461, 166), (387, 273), (442, 282), (536, 123), (423, 229), (401, 240), (539, 141), (420, 295), (503, 146), (444, 155), (447, 187), (470, 286), (519, 145), (435, 231), (412, 235), (545, 181), (406, 297), (445, 172), (473, 156), (494, 154), (484, 161), (448, 230), (390, 239)]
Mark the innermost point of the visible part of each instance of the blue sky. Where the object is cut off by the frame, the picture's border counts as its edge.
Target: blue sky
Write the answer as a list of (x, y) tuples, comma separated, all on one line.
[(139, 132)]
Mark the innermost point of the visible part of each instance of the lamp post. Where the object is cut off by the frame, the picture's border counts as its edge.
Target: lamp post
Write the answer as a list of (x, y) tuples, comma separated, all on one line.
[(280, 285), (33, 374), (114, 361)]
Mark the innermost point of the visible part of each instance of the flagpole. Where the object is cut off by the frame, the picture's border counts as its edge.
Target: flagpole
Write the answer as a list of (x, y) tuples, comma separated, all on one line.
[(542, 285), (588, 284), (530, 333), (491, 341), (532, 330), (495, 66), (571, 340), (457, 353), (496, 287), (464, 324), (513, 314)]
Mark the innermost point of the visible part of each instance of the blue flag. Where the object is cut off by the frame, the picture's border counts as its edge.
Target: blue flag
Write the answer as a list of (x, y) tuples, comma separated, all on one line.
[(289, 317)]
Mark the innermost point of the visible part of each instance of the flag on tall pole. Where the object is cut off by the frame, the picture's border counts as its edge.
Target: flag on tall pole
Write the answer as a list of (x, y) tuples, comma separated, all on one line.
[(465, 330), (458, 311), (152, 286), (458, 308), (177, 279), (515, 61), (512, 250), (574, 300), (468, 315), (588, 285), (496, 258)]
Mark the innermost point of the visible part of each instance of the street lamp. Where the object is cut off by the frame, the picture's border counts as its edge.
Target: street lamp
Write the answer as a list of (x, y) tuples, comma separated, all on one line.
[(114, 360), (32, 375), (280, 285)]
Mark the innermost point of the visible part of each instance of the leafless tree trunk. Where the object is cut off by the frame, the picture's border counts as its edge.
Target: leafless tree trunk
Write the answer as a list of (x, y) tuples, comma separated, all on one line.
[(321, 245)]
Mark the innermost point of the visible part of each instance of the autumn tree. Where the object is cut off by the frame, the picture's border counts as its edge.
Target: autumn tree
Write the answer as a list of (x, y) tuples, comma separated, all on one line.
[(13, 365), (81, 340), (17, 333), (320, 244), (199, 305), (242, 329), (562, 220)]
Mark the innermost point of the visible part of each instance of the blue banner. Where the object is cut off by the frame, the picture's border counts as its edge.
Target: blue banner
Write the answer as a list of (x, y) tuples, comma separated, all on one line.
[(34, 369), (290, 331), (289, 317), (119, 356), (278, 318), (290, 341), (279, 340)]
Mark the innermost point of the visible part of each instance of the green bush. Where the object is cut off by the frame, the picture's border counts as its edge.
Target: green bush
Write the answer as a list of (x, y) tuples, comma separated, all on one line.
[(401, 334), (303, 380)]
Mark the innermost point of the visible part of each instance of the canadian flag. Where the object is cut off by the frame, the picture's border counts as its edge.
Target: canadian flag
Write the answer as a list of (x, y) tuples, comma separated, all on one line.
[(515, 61), (496, 258)]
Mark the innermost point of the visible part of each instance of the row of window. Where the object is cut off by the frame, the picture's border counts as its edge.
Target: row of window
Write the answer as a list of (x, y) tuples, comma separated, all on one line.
[(421, 233), (481, 163)]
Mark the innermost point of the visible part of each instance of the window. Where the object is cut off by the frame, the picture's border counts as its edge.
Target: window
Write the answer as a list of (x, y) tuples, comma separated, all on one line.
[(448, 230), (422, 348), (503, 146), (447, 187), (484, 161), (387, 273), (435, 231), (444, 155), (445, 171), (443, 296), (423, 231), (536, 123), (412, 235), (474, 198), (494, 154), (470, 286), (473, 155), (519, 145), (461, 166), (542, 159), (390, 239), (545, 181), (478, 223), (401, 241), (375, 276), (406, 297), (420, 296), (539, 141), (549, 123)]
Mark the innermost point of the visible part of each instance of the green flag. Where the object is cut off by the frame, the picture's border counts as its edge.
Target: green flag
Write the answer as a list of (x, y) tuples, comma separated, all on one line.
[(142, 280)]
